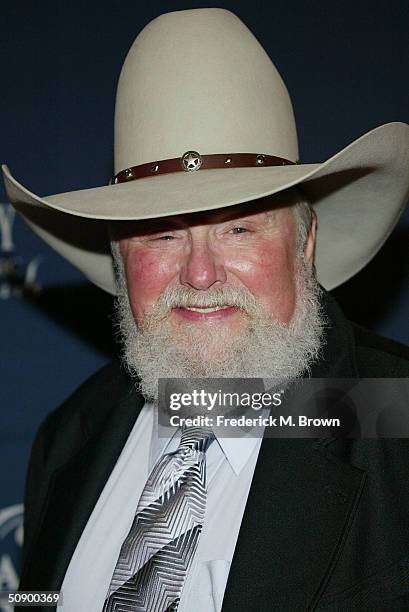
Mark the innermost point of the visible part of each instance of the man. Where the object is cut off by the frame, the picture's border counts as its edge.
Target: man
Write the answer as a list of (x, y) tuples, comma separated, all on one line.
[(215, 231)]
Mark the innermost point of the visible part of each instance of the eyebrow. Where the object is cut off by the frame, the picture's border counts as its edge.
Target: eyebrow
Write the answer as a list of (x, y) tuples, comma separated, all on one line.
[(244, 214), (165, 223), (145, 227)]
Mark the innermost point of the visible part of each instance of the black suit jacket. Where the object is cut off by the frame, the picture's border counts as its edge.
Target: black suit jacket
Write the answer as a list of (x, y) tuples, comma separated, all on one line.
[(326, 525)]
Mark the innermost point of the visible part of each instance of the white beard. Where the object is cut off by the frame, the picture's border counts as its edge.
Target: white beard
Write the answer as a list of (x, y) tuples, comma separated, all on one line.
[(265, 348)]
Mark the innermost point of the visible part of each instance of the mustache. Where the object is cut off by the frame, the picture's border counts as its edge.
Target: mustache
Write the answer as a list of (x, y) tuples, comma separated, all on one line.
[(182, 297)]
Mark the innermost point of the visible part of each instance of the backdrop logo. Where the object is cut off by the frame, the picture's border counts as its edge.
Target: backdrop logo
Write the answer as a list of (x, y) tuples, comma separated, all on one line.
[(17, 277), (11, 539)]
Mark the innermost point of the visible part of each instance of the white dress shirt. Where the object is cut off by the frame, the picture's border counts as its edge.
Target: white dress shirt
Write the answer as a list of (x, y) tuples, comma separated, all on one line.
[(230, 468)]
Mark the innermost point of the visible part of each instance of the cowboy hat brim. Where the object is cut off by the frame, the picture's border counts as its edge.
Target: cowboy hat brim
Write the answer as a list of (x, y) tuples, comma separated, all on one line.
[(358, 194)]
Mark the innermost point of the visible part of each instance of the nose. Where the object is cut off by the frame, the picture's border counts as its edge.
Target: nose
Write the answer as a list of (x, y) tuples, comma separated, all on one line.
[(202, 267)]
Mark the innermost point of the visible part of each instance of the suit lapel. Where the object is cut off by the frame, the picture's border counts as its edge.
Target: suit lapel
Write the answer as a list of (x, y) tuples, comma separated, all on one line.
[(300, 506), (74, 490)]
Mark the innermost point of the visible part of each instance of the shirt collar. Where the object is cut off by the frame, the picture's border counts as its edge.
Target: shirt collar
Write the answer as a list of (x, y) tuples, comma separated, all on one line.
[(166, 439), (238, 450)]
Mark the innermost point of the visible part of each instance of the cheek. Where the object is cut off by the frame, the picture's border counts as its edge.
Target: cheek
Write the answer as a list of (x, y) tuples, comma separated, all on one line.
[(147, 276), (271, 278)]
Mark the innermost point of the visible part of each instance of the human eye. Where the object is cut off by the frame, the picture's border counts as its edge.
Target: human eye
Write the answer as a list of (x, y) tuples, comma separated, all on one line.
[(238, 229), (165, 237)]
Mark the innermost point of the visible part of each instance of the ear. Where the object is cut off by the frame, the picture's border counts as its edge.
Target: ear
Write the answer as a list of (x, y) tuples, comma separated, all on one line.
[(310, 243)]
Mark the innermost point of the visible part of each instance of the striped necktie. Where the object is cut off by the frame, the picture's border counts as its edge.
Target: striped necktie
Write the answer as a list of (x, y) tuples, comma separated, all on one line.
[(158, 550)]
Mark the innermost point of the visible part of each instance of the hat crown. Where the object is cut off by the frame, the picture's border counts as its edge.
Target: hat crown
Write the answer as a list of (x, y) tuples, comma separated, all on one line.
[(199, 80)]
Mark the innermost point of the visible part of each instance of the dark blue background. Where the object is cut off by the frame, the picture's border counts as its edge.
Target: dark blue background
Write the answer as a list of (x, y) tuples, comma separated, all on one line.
[(345, 65)]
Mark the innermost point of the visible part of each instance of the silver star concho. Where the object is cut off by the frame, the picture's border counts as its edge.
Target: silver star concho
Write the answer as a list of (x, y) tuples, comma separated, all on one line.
[(191, 161)]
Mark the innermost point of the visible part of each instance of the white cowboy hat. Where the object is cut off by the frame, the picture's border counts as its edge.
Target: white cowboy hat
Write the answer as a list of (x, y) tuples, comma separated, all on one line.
[(203, 120)]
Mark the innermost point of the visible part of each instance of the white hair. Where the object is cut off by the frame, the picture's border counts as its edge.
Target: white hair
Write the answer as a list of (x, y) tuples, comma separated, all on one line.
[(303, 214), (266, 348)]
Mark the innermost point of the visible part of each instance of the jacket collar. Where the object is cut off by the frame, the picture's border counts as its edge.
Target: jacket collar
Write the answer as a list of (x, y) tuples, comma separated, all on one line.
[(77, 483), (338, 347)]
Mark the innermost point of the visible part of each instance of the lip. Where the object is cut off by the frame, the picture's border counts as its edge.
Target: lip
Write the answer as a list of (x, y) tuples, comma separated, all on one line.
[(192, 315)]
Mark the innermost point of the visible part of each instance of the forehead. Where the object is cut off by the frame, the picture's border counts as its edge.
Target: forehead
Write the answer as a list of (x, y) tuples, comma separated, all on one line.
[(276, 206)]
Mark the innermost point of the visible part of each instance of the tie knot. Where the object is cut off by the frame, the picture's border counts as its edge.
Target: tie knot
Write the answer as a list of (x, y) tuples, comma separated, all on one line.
[(196, 438)]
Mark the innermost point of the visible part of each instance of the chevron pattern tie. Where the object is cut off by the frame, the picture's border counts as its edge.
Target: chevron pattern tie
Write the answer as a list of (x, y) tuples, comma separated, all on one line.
[(158, 550)]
